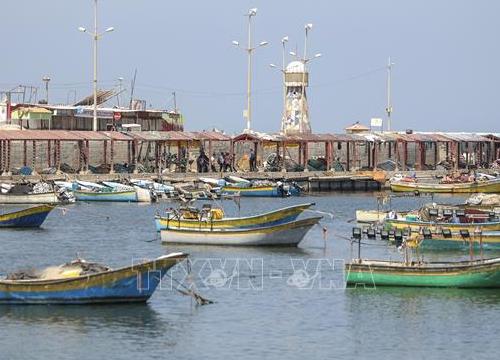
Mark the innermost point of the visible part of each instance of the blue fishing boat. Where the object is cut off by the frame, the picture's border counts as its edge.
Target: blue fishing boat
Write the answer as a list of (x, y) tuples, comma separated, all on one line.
[(30, 217), (81, 282)]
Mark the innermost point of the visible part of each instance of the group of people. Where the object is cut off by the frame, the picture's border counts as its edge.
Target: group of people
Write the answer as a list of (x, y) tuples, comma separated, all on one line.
[(225, 160), (222, 162)]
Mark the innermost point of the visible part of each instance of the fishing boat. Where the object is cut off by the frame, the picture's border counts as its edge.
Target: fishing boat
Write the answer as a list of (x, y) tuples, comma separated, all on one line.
[(483, 186), (110, 195), (462, 274), (31, 217), (81, 282), (256, 191), (209, 219), (30, 198), (286, 234), (437, 227), (370, 216), (489, 240)]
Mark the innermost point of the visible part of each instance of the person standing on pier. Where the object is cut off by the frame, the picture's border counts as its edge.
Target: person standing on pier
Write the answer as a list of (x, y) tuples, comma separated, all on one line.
[(252, 159), (220, 161), (213, 158)]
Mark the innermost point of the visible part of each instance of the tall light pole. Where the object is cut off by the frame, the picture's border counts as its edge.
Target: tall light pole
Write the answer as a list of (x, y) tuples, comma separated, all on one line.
[(96, 36), (284, 40), (388, 109), (305, 60), (46, 80), (250, 49)]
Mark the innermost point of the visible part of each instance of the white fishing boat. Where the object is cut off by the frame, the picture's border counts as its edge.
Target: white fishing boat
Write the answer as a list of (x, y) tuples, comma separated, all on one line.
[(212, 181), (30, 198), (287, 234), (88, 184), (117, 186), (149, 184), (370, 216)]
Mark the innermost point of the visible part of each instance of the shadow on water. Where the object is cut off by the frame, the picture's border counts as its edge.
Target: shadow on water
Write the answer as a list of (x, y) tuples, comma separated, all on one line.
[(130, 317), (238, 251), (407, 295)]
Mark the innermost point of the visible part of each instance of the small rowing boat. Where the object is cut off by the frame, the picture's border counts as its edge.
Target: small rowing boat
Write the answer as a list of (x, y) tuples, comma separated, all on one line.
[(484, 186), (462, 274), (81, 282), (208, 220), (286, 234), (31, 217)]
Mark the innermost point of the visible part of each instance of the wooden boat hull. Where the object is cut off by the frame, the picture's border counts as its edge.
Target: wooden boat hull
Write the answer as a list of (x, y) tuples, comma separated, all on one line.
[(475, 274), (118, 196), (288, 234), (487, 240), (437, 227), (370, 216), (45, 198), (256, 191), (490, 186), (269, 218), (31, 217), (129, 284)]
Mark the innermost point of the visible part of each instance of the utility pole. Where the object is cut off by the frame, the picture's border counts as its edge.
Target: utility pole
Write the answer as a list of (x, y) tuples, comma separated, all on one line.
[(388, 109)]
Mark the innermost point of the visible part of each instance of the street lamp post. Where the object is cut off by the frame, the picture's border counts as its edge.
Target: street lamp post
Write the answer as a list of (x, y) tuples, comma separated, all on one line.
[(304, 60), (284, 40), (250, 49), (95, 35)]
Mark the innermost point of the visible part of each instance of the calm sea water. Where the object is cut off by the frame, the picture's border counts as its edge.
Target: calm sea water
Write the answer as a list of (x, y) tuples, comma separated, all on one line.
[(269, 303)]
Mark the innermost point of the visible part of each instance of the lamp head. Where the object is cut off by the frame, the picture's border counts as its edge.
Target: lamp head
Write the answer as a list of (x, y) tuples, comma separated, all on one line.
[(235, 43), (292, 53), (109, 29), (82, 29), (308, 26), (263, 43), (252, 12), (284, 39)]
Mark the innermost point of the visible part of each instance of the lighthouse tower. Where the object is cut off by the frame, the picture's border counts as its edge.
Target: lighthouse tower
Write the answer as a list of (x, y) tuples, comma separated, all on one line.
[(295, 111)]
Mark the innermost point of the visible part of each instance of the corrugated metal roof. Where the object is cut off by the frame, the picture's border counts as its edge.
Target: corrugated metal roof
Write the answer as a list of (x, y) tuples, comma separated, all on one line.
[(469, 137), (39, 135)]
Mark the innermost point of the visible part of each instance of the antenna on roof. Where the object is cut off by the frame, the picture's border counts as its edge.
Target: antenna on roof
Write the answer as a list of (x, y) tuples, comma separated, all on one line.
[(132, 86)]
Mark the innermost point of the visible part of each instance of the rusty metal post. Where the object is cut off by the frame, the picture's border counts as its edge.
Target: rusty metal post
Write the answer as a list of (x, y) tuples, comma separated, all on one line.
[(49, 151)]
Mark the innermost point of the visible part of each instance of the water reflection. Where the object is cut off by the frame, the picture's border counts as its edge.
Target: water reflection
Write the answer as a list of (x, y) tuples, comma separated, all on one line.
[(133, 318)]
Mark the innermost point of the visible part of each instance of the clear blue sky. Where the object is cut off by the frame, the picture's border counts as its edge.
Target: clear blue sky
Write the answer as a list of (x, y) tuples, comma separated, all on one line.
[(447, 55)]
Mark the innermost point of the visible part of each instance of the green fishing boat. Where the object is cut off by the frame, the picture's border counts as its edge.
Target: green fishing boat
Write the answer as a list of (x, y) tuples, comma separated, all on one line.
[(462, 274), (488, 240)]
